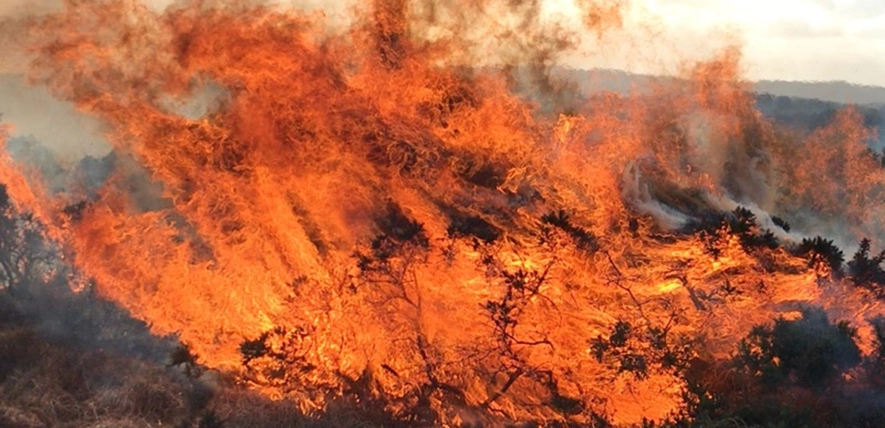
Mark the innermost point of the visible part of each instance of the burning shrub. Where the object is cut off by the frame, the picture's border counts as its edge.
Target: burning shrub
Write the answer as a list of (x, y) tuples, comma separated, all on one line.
[(711, 227), (742, 222), (393, 252), (634, 351), (865, 271), (477, 227), (781, 223), (280, 355), (254, 348), (823, 256), (483, 174), (24, 257), (521, 286), (809, 351), (395, 225), (583, 238), (182, 356)]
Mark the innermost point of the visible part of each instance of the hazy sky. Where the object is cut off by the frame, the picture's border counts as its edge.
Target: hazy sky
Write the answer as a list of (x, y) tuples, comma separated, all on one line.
[(781, 39), (794, 39)]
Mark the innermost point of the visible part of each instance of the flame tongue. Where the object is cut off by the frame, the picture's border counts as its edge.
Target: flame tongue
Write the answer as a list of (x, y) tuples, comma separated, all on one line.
[(357, 204)]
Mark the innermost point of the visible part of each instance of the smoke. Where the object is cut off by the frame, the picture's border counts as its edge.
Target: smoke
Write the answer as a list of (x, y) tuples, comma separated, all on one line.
[(55, 124), (29, 7), (48, 135), (206, 99)]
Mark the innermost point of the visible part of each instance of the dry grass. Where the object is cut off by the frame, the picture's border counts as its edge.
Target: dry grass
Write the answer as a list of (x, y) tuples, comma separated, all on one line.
[(50, 381), (45, 385), (55, 387)]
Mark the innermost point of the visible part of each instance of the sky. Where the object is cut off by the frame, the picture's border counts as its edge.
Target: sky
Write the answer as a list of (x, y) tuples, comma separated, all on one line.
[(792, 39), (797, 40)]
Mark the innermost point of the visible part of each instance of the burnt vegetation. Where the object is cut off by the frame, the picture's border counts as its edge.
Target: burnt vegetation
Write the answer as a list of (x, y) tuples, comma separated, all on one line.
[(583, 238)]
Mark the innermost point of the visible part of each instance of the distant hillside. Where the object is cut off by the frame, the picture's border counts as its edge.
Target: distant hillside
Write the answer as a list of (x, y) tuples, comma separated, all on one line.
[(839, 92), (621, 81), (801, 105), (809, 114), (590, 81)]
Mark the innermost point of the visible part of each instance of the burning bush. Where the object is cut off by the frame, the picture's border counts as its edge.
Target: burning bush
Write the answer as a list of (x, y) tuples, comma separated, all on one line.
[(809, 351), (866, 271), (823, 256)]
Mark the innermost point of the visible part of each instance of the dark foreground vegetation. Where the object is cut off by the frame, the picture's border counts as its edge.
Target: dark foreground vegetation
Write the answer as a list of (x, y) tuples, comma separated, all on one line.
[(73, 360)]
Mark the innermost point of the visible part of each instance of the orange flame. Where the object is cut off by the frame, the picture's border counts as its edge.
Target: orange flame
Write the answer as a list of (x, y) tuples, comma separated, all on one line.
[(289, 204)]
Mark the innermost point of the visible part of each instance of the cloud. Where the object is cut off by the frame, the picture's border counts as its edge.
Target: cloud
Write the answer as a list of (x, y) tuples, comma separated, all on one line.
[(871, 33), (795, 29), (859, 9)]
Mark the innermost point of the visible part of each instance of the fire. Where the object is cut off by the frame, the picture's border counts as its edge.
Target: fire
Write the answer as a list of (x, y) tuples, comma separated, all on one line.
[(360, 205)]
